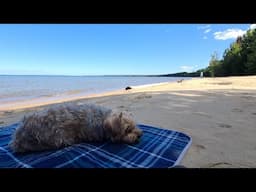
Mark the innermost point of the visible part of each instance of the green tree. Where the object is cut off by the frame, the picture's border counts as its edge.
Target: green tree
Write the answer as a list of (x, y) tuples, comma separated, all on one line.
[(214, 65), (238, 59), (232, 60), (249, 52)]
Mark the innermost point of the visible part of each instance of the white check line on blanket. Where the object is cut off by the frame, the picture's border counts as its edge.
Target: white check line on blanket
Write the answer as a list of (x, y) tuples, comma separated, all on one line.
[(152, 154), (17, 160), (128, 163), (116, 159), (161, 149), (45, 157), (72, 160), (168, 136), (148, 146)]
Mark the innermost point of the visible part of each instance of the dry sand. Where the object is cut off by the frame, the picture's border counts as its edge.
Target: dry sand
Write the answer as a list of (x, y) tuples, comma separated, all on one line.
[(218, 113)]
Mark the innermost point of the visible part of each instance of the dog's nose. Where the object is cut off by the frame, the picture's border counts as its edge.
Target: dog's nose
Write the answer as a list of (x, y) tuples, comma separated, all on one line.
[(138, 139)]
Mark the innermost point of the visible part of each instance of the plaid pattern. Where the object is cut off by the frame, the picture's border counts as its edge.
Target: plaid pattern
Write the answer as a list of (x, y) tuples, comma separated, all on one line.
[(158, 148)]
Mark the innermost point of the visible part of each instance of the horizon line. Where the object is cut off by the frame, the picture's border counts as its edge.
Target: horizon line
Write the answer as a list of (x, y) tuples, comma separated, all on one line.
[(80, 75), (93, 75)]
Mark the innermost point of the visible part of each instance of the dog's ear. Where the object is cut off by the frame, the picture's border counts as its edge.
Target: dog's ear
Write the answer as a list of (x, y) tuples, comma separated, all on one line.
[(110, 127), (25, 117), (107, 126), (120, 115)]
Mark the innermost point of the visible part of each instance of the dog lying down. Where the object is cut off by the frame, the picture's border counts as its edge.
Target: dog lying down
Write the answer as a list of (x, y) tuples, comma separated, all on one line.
[(67, 124)]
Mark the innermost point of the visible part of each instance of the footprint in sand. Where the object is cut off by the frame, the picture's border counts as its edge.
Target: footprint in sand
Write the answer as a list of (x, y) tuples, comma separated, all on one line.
[(237, 110), (225, 83), (199, 147), (99, 102), (202, 114), (224, 125), (247, 97), (8, 112), (123, 108), (218, 164), (143, 97)]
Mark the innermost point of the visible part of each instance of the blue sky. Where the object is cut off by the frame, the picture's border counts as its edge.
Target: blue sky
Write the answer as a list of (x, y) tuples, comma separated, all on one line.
[(112, 49)]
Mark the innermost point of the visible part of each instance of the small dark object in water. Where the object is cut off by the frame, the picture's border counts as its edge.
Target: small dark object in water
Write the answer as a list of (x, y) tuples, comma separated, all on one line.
[(127, 88), (179, 81)]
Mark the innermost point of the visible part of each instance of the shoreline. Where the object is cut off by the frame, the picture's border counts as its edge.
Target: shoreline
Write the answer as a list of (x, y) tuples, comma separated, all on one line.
[(186, 84), (192, 84), (42, 101), (219, 114)]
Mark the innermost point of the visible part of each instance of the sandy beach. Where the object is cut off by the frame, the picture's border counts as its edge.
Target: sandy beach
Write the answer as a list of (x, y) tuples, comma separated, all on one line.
[(218, 113)]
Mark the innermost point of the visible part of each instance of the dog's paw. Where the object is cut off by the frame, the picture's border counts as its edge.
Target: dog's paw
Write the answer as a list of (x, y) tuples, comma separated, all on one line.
[(131, 138), (138, 132)]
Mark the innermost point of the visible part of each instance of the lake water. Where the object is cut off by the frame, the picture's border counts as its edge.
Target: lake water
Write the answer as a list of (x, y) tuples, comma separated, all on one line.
[(19, 88)]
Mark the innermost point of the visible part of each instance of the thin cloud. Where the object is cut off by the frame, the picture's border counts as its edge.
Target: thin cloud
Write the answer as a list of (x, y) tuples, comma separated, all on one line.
[(228, 34), (207, 30)]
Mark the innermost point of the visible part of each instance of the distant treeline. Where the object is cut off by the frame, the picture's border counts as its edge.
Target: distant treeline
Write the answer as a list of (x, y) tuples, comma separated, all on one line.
[(183, 74), (239, 59)]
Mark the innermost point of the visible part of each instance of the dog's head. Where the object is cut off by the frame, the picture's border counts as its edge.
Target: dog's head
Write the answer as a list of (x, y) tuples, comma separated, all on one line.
[(121, 128)]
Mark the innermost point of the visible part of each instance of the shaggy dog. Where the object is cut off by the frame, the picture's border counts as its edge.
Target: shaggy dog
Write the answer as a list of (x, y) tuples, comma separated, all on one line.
[(67, 124)]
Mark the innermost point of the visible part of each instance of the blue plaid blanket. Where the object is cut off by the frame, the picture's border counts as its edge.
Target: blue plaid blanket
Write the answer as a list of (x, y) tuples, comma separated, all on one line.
[(158, 148)]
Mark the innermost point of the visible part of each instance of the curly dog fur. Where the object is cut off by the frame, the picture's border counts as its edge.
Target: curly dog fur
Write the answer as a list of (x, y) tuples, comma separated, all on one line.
[(67, 124)]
